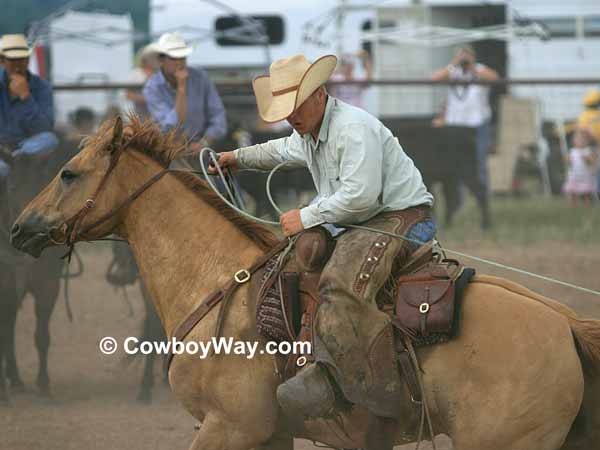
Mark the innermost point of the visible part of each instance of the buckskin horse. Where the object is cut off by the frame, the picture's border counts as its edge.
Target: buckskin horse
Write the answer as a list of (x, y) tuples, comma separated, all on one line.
[(517, 376)]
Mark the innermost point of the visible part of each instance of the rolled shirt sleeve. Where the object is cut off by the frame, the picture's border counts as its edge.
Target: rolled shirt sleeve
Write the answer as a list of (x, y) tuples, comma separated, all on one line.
[(268, 155), (360, 178)]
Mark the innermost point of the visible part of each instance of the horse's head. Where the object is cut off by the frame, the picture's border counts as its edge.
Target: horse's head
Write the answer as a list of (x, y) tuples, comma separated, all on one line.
[(83, 191)]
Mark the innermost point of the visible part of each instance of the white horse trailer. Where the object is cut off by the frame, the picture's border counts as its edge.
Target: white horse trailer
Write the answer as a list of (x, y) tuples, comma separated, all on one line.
[(92, 48)]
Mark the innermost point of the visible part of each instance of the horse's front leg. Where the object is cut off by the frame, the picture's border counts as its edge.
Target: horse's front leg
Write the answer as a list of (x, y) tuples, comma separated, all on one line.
[(279, 441), (44, 287), (217, 435), (8, 315)]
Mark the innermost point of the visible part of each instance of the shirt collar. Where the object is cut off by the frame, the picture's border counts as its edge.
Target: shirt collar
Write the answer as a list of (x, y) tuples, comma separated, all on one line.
[(324, 130)]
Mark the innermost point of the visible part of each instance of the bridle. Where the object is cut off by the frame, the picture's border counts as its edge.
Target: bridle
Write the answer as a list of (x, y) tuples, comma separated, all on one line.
[(72, 229)]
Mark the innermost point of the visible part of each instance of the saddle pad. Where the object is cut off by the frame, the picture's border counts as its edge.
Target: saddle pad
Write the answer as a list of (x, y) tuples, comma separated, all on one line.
[(270, 317)]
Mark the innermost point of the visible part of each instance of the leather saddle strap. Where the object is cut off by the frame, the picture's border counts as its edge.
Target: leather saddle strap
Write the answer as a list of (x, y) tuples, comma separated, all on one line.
[(409, 372), (423, 321), (209, 302)]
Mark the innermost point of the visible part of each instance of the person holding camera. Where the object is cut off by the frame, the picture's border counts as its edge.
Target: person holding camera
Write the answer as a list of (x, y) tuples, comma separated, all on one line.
[(468, 105)]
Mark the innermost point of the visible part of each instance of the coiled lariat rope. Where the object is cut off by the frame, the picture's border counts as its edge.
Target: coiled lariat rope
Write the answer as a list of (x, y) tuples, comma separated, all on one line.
[(215, 158)]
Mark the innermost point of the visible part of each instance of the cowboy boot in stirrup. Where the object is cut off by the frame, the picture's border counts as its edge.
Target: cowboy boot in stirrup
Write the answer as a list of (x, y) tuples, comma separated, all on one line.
[(308, 394)]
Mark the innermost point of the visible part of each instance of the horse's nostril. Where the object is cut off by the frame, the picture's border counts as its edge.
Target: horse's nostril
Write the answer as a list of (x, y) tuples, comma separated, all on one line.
[(15, 230)]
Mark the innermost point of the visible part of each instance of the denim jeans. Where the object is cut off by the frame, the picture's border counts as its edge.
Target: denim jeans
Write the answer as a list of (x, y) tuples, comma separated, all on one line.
[(421, 233), (36, 145)]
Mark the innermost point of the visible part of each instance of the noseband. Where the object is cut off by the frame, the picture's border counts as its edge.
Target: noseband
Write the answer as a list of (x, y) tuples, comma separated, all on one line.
[(71, 231)]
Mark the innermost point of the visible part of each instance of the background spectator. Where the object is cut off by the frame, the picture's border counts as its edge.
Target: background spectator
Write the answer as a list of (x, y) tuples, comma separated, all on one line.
[(590, 116), (582, 166), (26, 107), (469, 105), (177, 94), (352, 93), (589, 119)]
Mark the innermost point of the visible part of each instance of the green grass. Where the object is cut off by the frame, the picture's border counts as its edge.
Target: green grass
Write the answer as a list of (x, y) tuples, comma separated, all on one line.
[(523, 221)]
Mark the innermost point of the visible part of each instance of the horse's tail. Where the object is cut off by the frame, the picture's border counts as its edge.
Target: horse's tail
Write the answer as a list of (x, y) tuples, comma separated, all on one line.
[(587, 336), (585, 331)]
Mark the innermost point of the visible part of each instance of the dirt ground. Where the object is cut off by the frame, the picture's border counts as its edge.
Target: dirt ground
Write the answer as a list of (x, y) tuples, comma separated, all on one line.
[(93, 404)]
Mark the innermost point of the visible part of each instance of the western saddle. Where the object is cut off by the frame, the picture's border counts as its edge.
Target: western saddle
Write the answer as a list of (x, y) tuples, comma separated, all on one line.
[(424, 306)]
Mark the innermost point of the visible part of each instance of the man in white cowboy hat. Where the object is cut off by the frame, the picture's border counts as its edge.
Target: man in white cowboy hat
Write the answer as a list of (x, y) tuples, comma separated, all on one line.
[(26, 107), (180, 95), (362, 176)]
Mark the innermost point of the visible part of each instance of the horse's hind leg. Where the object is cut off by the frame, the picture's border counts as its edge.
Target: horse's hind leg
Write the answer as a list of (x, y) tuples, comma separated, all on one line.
[(45, 291), (585, 432)]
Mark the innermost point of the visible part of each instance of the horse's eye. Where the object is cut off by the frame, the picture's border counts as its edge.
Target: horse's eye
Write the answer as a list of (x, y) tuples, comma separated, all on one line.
[(68, 176)]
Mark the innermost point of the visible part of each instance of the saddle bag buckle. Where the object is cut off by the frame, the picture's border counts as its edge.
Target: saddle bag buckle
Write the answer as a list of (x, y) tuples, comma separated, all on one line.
[(241, 276), (424, 308)]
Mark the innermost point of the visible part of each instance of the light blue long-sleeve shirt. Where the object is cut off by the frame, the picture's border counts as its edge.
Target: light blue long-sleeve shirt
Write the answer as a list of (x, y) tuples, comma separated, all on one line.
[(205, 111), (358, 167)]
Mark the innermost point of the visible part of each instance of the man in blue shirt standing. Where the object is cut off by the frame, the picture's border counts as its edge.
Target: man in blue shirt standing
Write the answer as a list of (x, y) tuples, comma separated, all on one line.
[(180, 95), (26, 108)]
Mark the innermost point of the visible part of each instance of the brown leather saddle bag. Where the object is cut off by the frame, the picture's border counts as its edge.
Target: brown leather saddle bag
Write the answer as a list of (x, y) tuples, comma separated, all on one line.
[(425, 300)]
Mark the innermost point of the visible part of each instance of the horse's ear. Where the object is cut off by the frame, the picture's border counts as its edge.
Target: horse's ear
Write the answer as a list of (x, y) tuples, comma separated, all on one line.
[(117, 134)]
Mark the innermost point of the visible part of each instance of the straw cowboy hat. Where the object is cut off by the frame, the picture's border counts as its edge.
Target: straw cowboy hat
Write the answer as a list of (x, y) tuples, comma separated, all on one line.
[(289, 83), (14, 46), (173, 45)]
